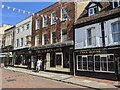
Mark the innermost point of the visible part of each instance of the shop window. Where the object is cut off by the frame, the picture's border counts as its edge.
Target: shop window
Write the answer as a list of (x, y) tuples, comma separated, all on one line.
[(79, 62), (66, 61), (85, 62), (116, 31), (104, 63), (53, 18), (64, 35), (91, 36), (59, 59), (52, 60)]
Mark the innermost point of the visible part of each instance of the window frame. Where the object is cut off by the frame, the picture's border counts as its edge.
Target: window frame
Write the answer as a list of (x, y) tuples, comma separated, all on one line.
[(113, 3), (62, 34), (36, 25), (63, 19), (52, 37), (52, 23), (44, 21), (93, 10)]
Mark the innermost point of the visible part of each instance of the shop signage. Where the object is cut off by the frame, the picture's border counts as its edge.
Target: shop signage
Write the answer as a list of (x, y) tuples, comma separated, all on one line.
[(49, 50), (91, 51)]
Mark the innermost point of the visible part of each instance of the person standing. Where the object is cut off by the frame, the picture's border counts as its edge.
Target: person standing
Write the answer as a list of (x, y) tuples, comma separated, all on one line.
[(39, 63)]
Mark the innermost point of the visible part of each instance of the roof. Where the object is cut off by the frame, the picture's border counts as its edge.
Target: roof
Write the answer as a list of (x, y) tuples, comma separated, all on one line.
[(105, 13)]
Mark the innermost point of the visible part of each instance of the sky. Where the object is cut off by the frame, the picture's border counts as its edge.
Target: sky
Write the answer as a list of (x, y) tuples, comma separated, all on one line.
[(13, 17)]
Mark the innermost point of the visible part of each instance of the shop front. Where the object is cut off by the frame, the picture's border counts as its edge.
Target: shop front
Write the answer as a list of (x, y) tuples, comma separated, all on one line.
[(99, 63), (22, 58), (58, 58)]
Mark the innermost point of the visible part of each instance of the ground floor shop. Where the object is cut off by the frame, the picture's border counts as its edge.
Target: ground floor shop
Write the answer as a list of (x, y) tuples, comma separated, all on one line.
[(22, 58), (58, 58), (99, 62)]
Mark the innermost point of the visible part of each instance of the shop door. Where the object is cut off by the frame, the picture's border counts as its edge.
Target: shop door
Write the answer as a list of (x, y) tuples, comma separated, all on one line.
[(59, 60)]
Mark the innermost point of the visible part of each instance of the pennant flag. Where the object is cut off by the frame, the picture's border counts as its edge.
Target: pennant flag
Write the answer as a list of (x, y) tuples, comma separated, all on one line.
[(3, 6), (18, 10), (23, 11), (8, 7), (28, 12), (13, 9)]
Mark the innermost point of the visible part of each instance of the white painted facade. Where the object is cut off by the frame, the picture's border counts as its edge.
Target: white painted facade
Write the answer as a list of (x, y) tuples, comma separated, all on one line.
[(81, 37), (108, 32), (23, 33)]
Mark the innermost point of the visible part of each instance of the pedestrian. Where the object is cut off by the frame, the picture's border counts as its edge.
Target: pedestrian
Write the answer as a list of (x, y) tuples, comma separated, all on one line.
[(39, 63), (45, 61)]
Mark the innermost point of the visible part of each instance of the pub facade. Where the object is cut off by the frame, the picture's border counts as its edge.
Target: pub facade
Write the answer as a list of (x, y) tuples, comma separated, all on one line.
[(97, 47), (52, 35)]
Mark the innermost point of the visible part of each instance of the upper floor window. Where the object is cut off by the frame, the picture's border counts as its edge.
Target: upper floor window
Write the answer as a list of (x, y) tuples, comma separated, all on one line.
[(64, 35), (37, 24), (26, 40), (17, 30), (21, 42), (22, 28), (91, 36), (53, 18), (27, 26), (116, 3), (64, 13), (116, 31), (45, 21), (44, 40), (37, 40), (17, 43), (53, 37), (93, 10)]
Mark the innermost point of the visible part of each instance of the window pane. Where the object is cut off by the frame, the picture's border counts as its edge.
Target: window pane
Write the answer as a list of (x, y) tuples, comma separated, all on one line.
[(90, 63), (64, 35), (110, 63), (85, 63), (53, 37), (103, 64), (97, 62), (79, 62), (59, 60)]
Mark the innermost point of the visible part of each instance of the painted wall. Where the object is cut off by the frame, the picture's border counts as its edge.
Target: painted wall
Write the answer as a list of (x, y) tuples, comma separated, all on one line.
[(23, 33), (81, 36)]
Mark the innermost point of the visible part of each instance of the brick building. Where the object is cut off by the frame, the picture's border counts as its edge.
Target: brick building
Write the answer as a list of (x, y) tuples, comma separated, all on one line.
[(52, 35)]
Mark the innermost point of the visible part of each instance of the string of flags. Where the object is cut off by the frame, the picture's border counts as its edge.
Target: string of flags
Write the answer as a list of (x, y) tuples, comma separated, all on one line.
[(15, 9), (31, 13)]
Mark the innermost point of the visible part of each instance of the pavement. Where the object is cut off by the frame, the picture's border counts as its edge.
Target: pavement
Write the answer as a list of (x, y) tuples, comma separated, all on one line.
[(92, 83)]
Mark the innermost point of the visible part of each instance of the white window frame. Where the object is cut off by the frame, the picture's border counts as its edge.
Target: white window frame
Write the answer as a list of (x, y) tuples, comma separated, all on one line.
[(52, 18), (82, 62), (62, 13), (52, 37), (43, 40), (62, 35), (93, 10), (44, 21), (118, 2), (37, 39), (36, 25), (102, 55)]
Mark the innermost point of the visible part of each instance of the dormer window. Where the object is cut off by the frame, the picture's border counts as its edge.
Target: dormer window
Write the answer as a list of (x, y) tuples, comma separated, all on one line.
[(116, 3), (93, 10)]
